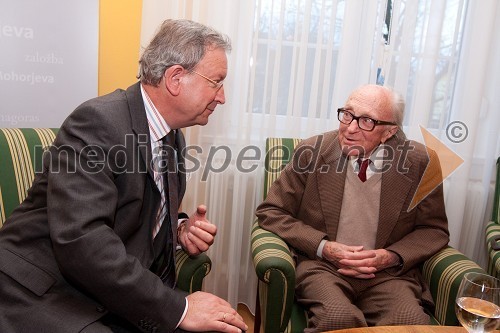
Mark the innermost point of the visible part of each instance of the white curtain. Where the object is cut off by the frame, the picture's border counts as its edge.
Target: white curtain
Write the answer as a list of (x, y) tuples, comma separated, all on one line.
[(476, 102), (294, 63)]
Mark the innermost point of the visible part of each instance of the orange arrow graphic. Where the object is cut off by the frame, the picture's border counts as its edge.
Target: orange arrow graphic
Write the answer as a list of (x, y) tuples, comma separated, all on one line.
[(445, 157)]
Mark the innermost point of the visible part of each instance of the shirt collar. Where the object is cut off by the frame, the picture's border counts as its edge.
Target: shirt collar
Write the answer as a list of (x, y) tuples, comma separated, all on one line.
[(158, 127), (377, 158)]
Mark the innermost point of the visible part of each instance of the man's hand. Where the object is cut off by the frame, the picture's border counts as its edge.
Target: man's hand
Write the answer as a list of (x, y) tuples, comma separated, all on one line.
[(207, 312), (355, 262), (197, 233)]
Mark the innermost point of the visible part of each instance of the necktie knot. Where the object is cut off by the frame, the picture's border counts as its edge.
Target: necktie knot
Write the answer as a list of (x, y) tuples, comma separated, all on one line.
[(363, 165), (169, 139)]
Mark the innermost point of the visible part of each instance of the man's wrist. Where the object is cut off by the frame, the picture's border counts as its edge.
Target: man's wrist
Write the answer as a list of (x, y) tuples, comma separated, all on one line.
[(398, 263), (319, 251), (181, 225)]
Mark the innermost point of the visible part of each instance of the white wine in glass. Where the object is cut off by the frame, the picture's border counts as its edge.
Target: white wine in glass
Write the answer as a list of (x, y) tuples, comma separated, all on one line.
[(478, 303)]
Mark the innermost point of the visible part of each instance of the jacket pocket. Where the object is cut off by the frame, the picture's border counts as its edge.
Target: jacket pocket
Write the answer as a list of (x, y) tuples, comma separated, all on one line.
[(30, 276)]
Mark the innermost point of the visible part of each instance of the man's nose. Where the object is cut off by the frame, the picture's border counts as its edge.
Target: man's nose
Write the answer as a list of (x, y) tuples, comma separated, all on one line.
[(220, 97)]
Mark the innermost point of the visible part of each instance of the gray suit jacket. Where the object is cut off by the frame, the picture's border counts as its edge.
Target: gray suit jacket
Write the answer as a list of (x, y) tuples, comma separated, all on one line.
[(303, 205), (81, 244)]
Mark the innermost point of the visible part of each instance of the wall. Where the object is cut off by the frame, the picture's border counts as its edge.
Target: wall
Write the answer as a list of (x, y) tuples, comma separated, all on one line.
[(119, 43), (54, 56), (48, 59)]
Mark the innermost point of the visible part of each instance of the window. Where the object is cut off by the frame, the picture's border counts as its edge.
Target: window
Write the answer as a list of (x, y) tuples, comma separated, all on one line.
[(291, 38), (414, 48), (433, 54)]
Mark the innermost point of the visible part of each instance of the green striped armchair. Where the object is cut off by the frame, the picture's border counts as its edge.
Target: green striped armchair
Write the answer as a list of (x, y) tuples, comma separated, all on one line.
[(493, 231), (21, 152), (277, 310)]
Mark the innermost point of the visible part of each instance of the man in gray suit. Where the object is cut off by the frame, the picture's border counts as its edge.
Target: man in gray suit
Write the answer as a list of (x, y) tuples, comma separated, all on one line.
[(92, 246), (345, 206)]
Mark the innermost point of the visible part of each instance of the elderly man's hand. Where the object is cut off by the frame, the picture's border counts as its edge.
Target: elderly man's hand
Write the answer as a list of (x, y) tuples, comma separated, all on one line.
[(355, 262), (197, 234)]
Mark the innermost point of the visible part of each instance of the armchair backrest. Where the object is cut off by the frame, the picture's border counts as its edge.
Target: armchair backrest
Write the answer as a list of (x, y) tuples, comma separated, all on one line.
[(21, 151), (279, 152)]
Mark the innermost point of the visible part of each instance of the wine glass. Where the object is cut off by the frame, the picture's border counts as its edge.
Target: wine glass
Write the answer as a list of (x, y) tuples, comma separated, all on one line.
[(478, 302)]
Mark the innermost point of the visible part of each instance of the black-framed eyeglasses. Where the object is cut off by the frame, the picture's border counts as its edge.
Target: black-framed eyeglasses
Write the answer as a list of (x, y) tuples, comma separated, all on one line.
[(365, 123), (216, 85)]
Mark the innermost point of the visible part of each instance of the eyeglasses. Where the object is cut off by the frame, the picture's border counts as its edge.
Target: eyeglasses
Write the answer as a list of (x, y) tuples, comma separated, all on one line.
[(216, 85), (364, 123)]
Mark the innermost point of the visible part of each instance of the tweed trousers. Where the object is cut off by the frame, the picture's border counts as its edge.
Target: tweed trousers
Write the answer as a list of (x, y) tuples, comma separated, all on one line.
[(336, 302)]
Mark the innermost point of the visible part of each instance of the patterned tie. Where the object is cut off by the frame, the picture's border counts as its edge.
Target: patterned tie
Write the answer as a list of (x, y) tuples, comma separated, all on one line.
[(167, 170), (167, 216), (363, 165)]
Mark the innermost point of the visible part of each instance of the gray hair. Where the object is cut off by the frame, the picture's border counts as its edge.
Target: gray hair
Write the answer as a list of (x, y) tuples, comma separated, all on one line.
[(398, 106), (178, 42), (398, 109)]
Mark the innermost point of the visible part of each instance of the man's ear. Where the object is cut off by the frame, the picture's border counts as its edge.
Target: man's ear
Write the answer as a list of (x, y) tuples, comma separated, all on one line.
[(172, 79), (394, 130), (389, 133)]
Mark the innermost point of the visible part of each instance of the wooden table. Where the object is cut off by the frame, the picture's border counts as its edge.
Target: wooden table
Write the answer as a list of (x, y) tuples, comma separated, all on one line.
[(405, 329)]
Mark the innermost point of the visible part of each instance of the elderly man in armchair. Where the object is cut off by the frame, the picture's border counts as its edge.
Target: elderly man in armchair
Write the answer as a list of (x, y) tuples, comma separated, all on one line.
[(346, 204)]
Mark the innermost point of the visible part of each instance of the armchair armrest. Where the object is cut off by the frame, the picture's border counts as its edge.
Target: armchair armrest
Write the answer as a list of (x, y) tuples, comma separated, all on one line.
[(443, 273), (492, 236), (275, 269), (191, 271)]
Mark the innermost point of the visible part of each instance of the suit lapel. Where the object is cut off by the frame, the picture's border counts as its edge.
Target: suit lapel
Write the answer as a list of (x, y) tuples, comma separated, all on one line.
[(395, 189), (331, 183), (140, 126), (141, 130)]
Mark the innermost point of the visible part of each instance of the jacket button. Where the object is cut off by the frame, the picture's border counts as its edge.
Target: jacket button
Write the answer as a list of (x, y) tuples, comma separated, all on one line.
[(100, 308)]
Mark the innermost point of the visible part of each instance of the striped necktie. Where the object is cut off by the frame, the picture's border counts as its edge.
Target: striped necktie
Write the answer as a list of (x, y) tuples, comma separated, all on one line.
[(167, 217), (168, 182)]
